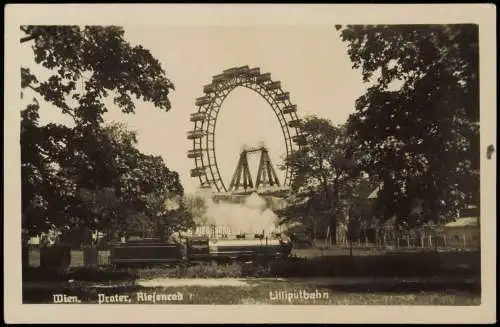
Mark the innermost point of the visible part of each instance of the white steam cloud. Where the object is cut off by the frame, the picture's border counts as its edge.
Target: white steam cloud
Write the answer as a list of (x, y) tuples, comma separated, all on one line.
[(251, 216)]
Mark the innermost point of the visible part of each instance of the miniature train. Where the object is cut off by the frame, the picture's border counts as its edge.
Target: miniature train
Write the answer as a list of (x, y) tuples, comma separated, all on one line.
[(200, 248)]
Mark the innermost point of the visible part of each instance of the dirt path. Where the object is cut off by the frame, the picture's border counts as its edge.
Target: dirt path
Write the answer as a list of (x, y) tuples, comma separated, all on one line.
[(251, 282), (207, 282)]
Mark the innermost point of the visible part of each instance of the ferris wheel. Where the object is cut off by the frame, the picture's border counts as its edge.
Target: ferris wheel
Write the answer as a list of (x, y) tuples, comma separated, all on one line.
[(208, 108)]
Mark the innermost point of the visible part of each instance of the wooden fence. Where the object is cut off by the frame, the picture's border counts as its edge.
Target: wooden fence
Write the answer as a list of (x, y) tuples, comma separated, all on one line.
[(424, 239), (77, 258)]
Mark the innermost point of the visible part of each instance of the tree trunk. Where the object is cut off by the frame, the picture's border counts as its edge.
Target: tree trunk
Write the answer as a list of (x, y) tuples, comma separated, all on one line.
[(25, 254), (333, 213), (333, 229), (25, 237), (314, 229)]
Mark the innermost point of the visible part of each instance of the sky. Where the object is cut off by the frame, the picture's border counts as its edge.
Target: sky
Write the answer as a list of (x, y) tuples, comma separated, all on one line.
[(310, 61)]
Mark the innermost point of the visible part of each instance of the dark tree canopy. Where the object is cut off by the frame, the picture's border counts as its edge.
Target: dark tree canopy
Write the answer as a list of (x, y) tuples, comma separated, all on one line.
[(327, 179), (113, 64), (421, 139), (89, 174)]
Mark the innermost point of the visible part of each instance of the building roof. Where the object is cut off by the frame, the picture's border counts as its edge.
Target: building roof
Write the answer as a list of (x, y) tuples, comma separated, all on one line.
[(464, 222)]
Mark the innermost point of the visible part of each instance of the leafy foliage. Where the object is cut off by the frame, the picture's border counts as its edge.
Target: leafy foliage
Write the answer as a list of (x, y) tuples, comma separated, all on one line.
[(71, 52), (327, 179), (421, 139), (90, 175), (197, 207)]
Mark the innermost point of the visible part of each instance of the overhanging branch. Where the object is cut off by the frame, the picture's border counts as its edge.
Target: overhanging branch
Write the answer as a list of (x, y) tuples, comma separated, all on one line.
[(29, 37)]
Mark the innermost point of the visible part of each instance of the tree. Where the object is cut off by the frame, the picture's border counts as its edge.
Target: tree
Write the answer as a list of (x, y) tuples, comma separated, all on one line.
[(57, 160), (422, 138), (142, 184), (321, 170), (124, 191), (197, 207)]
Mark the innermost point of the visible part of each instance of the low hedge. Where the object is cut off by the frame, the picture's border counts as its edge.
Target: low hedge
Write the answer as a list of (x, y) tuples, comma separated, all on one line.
[(56, 257), (388, 265), (423, 264)]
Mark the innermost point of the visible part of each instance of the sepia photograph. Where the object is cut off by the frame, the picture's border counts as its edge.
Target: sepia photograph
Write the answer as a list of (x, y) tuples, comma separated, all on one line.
[(295, 165)]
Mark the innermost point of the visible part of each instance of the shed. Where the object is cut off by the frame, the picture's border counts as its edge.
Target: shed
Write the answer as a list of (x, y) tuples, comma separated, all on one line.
[(463, 233)]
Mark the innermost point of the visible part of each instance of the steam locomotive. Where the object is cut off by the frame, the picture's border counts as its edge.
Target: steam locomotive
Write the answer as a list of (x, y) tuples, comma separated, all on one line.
[(200, 248)]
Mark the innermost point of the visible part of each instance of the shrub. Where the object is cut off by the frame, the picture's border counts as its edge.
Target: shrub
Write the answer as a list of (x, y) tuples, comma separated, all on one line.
[(55, 257), (201, 270)]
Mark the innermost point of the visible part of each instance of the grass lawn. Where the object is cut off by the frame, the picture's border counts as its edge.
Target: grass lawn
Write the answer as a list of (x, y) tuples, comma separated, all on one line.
[(272, 292), (263, 294)]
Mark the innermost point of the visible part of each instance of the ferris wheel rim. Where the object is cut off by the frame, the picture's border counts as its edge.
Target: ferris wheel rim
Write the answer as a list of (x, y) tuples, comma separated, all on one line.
[(211, 130), (277, 99)]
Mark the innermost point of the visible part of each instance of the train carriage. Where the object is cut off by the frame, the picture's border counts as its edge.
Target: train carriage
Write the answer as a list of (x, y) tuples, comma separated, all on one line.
[(199, 248)]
